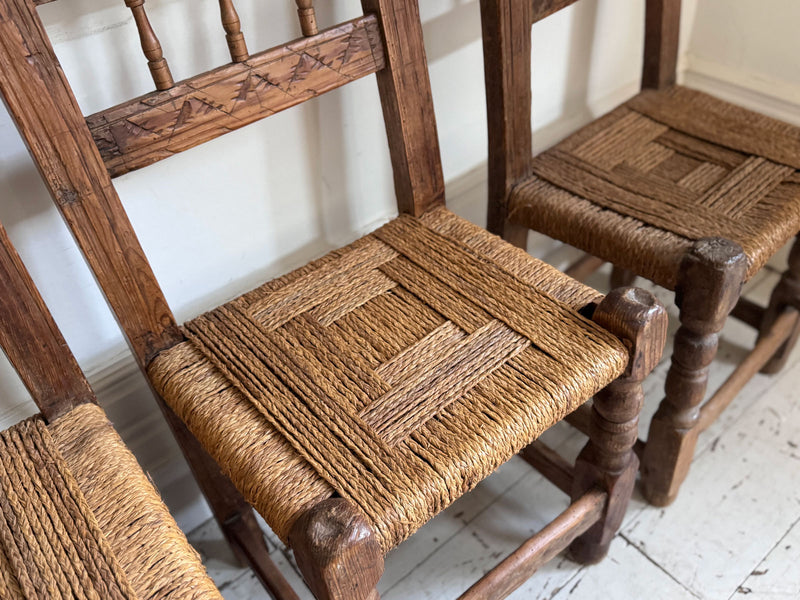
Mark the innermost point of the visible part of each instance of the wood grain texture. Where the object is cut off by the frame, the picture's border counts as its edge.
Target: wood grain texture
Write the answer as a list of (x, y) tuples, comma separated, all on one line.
[(608, 461), (337, 551), (709, 283), (145, 130), (34, 345), (407, 103), (662, 35), (507, 72), (44, 109), (541, 9)]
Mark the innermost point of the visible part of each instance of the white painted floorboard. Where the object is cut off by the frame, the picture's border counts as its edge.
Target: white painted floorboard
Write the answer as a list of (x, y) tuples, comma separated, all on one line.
[(734, 531)]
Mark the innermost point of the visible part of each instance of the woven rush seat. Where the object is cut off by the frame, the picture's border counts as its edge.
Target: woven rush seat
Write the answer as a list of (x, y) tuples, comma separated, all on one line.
[(638, 186), (398, 372), (81, 520)]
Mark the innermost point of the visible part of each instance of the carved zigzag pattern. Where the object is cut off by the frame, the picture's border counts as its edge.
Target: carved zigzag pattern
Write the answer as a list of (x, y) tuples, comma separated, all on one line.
[(155, 126)]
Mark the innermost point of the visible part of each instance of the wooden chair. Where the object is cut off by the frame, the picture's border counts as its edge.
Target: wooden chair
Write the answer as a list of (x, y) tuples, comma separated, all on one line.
[(355, 398), (679, 187), (78, 517)]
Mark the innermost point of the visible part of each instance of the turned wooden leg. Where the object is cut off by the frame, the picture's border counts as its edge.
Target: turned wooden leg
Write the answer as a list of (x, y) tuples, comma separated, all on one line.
[(337, 551), (621, 277), (709, 284), (608, 461), (786, 294)]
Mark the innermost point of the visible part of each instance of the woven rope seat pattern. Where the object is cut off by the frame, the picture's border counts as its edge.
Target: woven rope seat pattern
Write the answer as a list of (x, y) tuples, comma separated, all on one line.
[(397, 372), (79, 519), (638, 186)]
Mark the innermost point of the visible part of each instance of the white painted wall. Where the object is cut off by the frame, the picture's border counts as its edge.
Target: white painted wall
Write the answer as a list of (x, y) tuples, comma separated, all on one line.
[(219, 219), (746, 51)]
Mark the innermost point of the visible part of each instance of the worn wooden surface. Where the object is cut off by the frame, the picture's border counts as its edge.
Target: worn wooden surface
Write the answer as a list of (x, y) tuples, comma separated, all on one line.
[(550, 464), (708, 288), (337, 551), (34, 345), (662, 34), (507, 72), (768, 344), (407, 104), (75, 175), (608, 461), (145, 130)]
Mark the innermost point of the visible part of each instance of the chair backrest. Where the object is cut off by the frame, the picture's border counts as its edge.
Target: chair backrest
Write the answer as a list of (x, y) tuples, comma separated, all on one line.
[(507, 63), (34, 345), (78, 156)]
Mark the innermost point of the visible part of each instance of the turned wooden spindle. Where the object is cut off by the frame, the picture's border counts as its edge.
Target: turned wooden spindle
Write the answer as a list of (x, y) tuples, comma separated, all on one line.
[(151, 46), (308, 18), (233, 31), (708, 287), (608, 460)]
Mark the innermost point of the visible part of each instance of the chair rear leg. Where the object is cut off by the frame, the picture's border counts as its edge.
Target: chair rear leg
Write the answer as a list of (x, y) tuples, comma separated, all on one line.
[(785, 294), (708, 287), (621, 277), (337, 551), (608, 461)]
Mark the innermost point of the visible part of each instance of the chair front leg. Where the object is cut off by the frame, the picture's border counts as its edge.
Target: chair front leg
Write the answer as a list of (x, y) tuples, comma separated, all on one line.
[(337, 551), (708, 287), (608, 461)]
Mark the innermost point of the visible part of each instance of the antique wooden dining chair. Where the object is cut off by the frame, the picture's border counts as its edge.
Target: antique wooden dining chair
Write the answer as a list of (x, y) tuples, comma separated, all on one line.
[(675, 185), (355, 398), (78, 517)]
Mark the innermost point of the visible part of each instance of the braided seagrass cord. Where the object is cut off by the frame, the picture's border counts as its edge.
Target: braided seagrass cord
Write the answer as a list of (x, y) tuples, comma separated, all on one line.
[(52, 546), (79, 519), (398, 372), (639, 185)]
